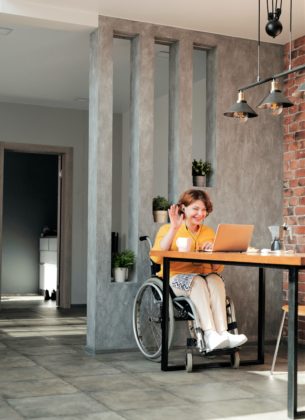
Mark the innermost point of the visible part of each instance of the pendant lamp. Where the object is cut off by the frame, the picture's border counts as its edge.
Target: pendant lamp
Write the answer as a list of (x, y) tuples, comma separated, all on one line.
[(241, 110), (275, 101), (300, 92)]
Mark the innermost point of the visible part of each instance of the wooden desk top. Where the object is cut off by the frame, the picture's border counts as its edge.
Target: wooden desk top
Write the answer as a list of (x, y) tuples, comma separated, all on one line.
[(238, 257)]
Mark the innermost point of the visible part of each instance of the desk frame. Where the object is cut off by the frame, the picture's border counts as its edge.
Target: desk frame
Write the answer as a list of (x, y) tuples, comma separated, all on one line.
[(293, 270)]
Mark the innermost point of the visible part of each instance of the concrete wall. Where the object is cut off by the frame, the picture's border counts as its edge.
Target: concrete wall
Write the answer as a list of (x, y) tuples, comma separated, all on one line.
[(246, 186), (60, 127)]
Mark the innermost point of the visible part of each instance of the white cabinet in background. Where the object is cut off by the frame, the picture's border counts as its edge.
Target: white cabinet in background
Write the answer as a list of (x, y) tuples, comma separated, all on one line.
[(48, 264)]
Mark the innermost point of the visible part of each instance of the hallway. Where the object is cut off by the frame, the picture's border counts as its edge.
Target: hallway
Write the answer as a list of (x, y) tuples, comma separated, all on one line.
[(45, 373)]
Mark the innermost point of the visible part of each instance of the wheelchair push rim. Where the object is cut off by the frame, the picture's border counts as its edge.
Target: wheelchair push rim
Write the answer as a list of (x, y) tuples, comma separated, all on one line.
[(147, 317)]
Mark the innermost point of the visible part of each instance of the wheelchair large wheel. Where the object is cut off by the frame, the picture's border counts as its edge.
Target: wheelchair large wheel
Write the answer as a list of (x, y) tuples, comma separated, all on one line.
[(147, 315)]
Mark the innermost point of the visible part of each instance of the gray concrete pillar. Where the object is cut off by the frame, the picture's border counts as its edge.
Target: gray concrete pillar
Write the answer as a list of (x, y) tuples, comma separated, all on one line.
[(110, 304), (180, 117), (141, 150), (100, 179)]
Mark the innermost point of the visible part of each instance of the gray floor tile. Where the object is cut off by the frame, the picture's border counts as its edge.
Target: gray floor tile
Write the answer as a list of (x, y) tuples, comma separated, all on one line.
[(244, 407), (17, 361), (59, 405), (82, 369), (120, 356), (21, 389), (57, 418), (189, 412), (46, 348), (165, 379), (136, 399), (137, 366), (8, 413), (275, 415), (210, 392), (24, 373), (107, 415), (65, 358), (114, 382)]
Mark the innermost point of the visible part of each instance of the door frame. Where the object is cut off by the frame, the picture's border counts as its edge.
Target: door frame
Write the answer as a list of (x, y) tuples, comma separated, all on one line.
[(65, 236)]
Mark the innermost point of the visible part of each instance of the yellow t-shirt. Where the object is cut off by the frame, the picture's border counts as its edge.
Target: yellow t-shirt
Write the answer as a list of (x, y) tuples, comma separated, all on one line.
[(204, 234)]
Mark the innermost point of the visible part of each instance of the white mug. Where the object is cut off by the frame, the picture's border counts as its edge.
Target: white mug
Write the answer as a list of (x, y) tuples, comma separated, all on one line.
[(184, 244)]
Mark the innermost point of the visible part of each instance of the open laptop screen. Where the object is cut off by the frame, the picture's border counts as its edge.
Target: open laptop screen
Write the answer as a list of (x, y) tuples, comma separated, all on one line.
[(234, 238)]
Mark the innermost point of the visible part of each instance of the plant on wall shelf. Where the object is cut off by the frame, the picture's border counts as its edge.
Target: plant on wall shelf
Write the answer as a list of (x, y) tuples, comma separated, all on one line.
[(122, 261), (200, 170), (160, 206)]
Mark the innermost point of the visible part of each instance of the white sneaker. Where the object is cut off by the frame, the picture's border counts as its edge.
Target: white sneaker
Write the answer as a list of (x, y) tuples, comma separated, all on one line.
[(214, 341), (234, 340)]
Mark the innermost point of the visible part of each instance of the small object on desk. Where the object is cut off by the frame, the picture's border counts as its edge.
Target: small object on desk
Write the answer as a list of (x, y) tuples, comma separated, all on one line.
[(277, 252), (282, 252), (252, 250)]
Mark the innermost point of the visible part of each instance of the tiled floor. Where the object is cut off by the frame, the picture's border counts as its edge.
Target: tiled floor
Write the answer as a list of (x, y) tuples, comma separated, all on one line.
[(45, 373)]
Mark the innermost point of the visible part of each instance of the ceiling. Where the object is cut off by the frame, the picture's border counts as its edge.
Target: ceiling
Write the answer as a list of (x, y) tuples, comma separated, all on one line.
[(45, 58)]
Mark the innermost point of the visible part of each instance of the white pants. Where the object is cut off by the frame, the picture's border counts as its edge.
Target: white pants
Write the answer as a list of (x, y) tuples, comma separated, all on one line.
[(209, 298)]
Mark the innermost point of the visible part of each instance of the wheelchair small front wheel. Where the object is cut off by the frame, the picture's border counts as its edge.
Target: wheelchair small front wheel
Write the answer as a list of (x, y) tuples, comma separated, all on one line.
[(189, 361), (147, 318), (235, 360)]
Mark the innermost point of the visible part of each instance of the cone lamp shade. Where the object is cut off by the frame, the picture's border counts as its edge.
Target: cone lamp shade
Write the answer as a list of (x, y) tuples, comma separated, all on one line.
[(275, 101), (241, 110)]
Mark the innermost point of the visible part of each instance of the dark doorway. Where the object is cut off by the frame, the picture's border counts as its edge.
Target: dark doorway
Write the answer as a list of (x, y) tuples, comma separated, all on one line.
[(30, 207)]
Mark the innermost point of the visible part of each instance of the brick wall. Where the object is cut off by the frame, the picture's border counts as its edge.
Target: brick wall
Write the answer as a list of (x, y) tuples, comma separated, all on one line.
[(294, 165)]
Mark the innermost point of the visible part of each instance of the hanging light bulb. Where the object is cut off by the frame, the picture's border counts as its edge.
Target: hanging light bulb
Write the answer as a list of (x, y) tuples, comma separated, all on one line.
[(242, 116), (300, 92), (275, 101), (241, 110)]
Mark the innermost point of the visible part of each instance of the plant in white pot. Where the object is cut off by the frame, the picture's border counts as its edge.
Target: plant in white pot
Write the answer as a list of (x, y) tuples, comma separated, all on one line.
[(121, 263), (200, 170), (160, 206)]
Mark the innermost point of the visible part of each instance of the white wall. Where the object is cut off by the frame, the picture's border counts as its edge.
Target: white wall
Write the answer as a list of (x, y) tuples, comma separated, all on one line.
[(58, 127)]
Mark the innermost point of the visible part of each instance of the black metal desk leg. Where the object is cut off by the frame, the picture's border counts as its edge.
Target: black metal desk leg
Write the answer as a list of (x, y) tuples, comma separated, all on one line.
[(165, 315), (292, 342), (261, 317)]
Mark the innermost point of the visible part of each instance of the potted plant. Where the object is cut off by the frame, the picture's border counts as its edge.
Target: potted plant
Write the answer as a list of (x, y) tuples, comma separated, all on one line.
[(121, 262), (200, 170), (160, 206)]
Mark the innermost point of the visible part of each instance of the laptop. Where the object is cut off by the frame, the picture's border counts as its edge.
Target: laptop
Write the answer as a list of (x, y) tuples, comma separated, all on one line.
[(232, 238)]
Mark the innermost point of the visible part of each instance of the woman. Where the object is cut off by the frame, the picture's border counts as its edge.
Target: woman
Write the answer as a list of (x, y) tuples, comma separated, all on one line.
[(201, 282)]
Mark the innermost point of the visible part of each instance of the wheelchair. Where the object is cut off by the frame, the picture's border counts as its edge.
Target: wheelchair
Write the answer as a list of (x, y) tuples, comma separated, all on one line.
[(147, 320)]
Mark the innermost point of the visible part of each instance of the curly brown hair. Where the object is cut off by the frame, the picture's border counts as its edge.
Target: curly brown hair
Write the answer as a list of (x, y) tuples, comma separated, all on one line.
[(189, 196)]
